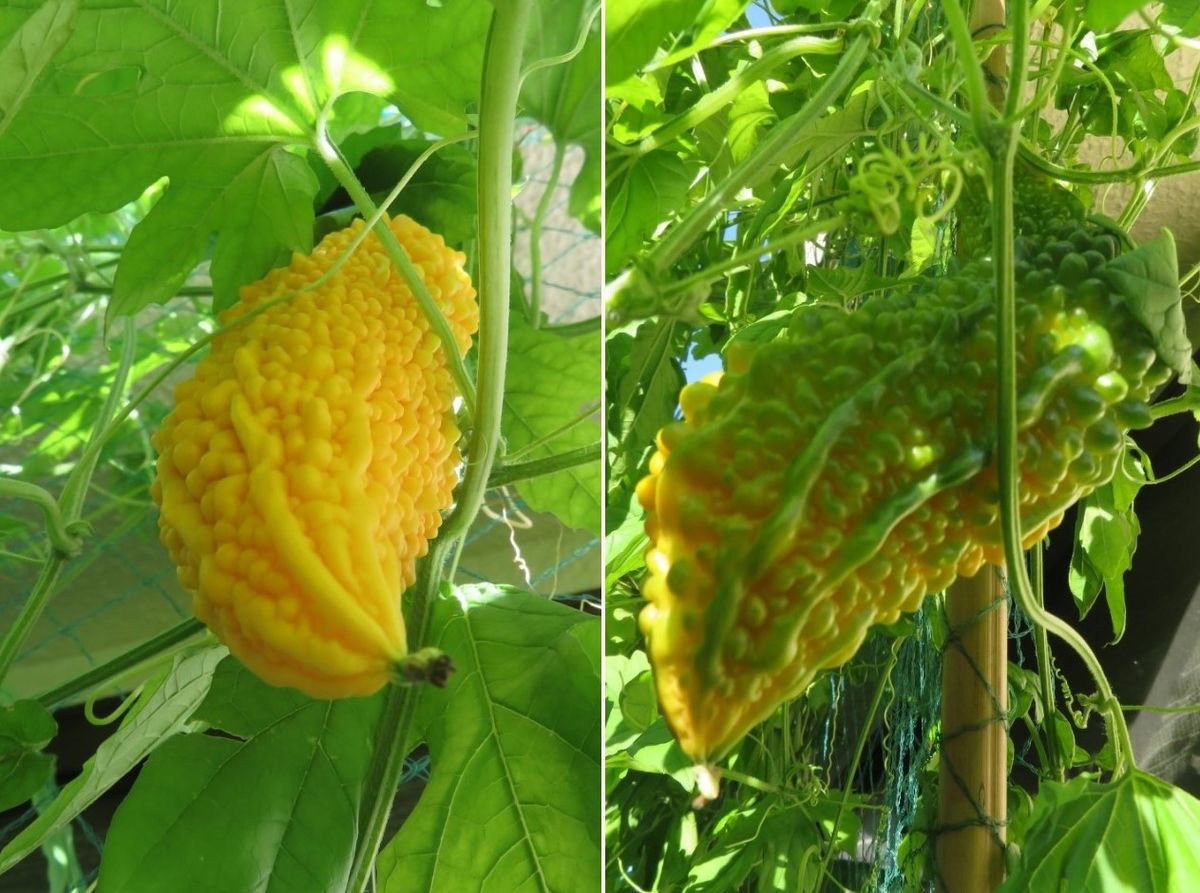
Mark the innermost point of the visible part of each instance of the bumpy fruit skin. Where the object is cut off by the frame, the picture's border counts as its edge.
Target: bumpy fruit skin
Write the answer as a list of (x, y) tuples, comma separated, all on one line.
[(829, 480), (306, 465)]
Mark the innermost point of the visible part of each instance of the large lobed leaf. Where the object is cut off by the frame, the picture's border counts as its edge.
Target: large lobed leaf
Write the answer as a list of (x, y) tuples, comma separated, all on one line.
[(283, 779), (514, 800), (566, 97), (1138, 833), (162, 710), (552, 382), (218, 98)]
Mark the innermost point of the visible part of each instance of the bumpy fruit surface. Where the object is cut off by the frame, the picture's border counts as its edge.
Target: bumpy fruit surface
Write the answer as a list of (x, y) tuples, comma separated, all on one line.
[(306, 465), (829, 480)]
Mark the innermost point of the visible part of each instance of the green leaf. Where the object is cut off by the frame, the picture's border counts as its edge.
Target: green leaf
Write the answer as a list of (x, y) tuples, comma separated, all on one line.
[(29, 50), (286, 773), (713, 19), (750, 112), (1184, 15), (1105, 15), (1107, 531), (922, 247), (633, 30), (222, 106), (782, 843), (440, 195), (1138, 833), (842, 284), (26, 727), (513, 801), (648, 192), (163, 709), (762, 330), (1133, 57), (566, 97), (626, 545), (1148, 279), (551, 382)]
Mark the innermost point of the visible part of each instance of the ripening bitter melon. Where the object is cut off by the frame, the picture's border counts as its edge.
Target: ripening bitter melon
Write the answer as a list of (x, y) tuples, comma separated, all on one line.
[(830, 479), (306, 464)]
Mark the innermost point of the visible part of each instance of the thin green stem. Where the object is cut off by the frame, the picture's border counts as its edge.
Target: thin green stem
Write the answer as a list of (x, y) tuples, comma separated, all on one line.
[(711, 103), (1041, 646), (745, 258), (768, 32), (1048, 84), (969, 64), (512, 473), (1001, 141), (392, 743), (61, 539), (70, 506), (1171, 475), (586, 413), (391, 245), (185, 291), (1186, 402), (98, 676), (1158, 708), (771, 151), (498, 101), (575, 329), (551, 61), (535, 235), (1018, 13)]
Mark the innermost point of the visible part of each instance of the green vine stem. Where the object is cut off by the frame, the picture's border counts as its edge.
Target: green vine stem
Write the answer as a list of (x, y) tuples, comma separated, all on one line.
[(504, 474), (744, 259), (551, 61), (770, 152), (498, 104), (724, 95), (535, 235), (62, 539), (343, 173), (70, 505), (1056, 766), (392, 743), (1000, 140), (149, 650)]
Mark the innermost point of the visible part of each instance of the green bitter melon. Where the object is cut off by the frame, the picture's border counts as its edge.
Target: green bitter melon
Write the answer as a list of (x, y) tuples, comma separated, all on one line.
[(829, 480)]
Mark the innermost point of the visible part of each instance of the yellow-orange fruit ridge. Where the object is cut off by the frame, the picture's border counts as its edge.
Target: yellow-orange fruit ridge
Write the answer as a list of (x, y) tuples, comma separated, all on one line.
[(306, 465)]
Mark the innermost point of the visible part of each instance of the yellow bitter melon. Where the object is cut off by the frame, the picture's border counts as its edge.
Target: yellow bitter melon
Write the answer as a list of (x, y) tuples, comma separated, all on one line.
[(305, 466), (828, 480)]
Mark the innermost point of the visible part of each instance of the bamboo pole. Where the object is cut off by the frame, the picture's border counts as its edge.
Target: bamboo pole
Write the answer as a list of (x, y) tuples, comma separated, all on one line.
[(972, 771)]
